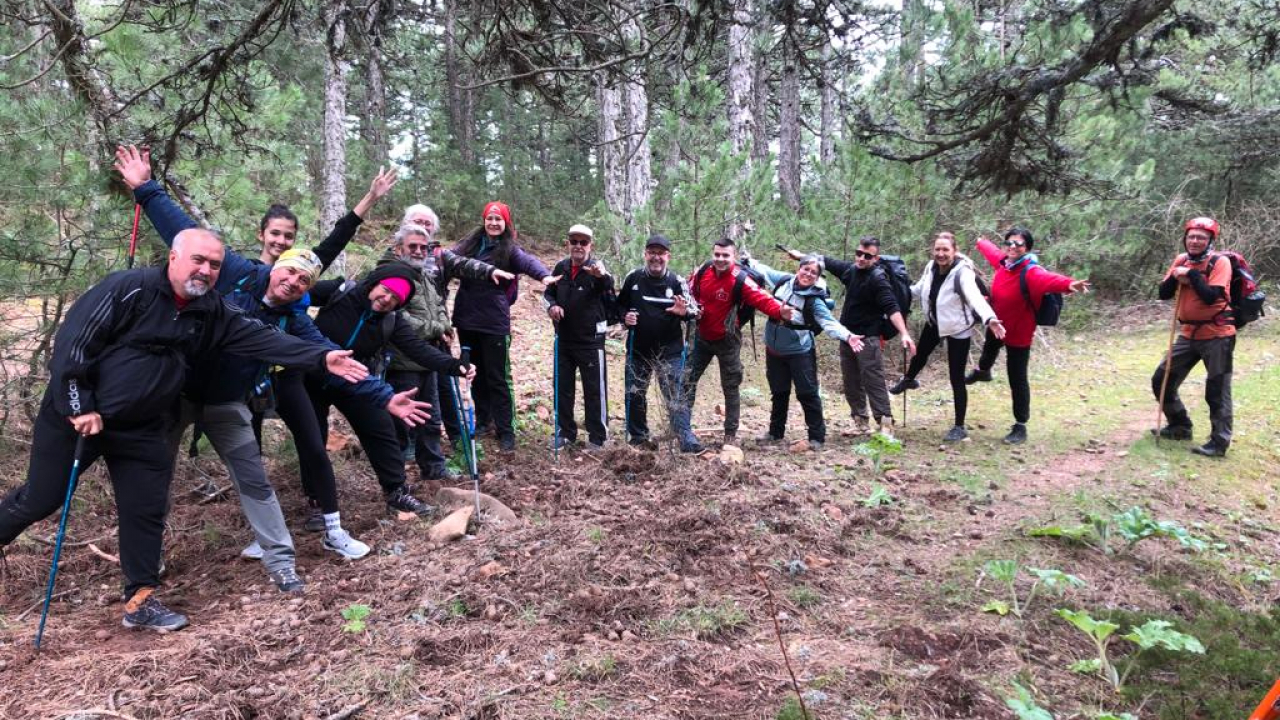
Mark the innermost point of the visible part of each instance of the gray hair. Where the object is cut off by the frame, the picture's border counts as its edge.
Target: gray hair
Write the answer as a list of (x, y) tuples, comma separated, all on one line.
[(180, 239), (408, 230), (421, 210)]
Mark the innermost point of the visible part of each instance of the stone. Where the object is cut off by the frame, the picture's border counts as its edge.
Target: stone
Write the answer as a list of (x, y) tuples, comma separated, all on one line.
[(448, 497), (731, 455), (453, 527)]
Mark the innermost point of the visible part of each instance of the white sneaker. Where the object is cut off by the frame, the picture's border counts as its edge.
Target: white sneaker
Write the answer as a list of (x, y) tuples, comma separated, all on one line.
[(341, 542), (886, 428), (252, 551)]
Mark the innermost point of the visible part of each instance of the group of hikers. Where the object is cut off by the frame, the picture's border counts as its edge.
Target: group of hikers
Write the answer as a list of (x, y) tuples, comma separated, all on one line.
[(216, 339)]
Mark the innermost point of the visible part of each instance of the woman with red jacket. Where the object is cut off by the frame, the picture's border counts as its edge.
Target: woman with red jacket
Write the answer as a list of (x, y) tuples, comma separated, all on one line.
[(1019, 316)]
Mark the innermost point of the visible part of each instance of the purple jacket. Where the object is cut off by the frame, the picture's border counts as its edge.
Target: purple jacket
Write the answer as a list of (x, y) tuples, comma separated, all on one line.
[(481, 306)]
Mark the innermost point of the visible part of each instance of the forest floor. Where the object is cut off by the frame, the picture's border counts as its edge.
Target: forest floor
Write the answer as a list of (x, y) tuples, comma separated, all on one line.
[(647, 584)]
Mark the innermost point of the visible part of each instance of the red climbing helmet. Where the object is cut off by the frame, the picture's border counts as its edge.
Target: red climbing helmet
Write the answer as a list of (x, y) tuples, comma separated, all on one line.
[(1207, 224)]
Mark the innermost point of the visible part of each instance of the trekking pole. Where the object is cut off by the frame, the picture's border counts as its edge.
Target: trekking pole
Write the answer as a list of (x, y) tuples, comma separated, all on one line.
[(555, 399), (904, 387), (62, 531), (1168, 360), (464, 428), (627, 385), (133, 239)]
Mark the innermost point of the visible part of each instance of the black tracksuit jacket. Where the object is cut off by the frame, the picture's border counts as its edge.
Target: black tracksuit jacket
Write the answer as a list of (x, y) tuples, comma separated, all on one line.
[(585, 299), (124, 349)]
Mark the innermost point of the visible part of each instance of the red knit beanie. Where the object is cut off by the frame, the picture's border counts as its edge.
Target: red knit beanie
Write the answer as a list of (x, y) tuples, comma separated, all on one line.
[(398, 286), (503, 210)]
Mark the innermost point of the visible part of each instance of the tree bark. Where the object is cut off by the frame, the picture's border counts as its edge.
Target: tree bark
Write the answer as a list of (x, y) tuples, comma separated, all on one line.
[(759, 104), (827, 146), (789, 125), (740, 99), (375, 119), (613, 174), (635, 114), (333, 196), (461, 103)]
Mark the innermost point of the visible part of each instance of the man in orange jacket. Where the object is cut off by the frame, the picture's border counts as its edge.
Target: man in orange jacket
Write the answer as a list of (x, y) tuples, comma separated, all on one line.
[(721, 288)]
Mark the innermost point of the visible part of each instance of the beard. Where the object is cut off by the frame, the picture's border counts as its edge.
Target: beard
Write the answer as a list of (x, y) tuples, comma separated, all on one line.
[(195, 287)]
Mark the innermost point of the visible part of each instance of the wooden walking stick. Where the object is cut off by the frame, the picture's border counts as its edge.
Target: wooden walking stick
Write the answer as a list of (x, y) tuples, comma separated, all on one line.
[(1168, 360)]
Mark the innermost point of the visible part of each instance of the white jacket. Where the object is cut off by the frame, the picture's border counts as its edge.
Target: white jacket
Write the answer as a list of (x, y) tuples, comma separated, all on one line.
[(960, 303)]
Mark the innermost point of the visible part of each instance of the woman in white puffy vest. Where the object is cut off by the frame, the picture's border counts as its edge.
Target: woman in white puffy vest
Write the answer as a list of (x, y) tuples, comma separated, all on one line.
[(953, 302)]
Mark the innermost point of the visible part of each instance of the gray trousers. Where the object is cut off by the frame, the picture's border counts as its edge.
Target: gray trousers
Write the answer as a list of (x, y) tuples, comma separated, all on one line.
[(729, 353), (1217, 355), (862, 374), (230, 431)]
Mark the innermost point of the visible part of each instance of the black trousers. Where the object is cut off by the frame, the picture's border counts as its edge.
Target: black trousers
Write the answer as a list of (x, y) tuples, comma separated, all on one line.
[(669, 368), (1017, 363), (373, 426), (783, 371), (728, 351), (141, 469), (957, 356), (426, 437), (1218, 356), (590, 364), (491, 390)]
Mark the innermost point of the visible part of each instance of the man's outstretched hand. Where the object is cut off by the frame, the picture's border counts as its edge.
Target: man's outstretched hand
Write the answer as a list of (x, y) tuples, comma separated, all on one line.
[(134, 165), (412, 412), (340, 363)]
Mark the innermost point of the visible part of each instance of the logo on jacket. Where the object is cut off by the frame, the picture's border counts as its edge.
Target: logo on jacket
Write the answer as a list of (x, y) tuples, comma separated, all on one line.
[(722, 295), (73, 397)]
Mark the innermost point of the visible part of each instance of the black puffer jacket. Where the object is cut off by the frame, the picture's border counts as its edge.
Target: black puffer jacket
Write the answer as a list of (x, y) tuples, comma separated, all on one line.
[(348, 319)]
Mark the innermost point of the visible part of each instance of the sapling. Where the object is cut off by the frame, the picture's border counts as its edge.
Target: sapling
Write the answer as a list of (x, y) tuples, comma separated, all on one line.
[(879, 496), (876, 448), (1006, 571), (1153, 633), (1023, 704), (355, 616)]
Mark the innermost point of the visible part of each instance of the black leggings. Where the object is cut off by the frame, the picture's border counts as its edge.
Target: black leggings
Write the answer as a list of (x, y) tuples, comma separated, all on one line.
[(957, 356), (316, 471), (1016, 362)]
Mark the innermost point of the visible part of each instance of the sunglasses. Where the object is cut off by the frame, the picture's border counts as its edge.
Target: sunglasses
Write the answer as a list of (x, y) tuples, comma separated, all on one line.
[(579, 242), (413, 247), (865, 255), (1015, 243)]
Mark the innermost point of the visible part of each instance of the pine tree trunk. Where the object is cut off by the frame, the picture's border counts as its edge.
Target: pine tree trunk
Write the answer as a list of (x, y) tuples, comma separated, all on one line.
[(789, 126), (461, 113), (827, 146), (613, 175), (740, 99), (375, 119), (635, 118), (333, 197)]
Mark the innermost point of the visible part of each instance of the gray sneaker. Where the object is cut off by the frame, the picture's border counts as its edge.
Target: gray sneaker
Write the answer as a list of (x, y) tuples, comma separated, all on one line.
[(151, 614), (287, 580), (252, 551), (956, 434), (341, 542)]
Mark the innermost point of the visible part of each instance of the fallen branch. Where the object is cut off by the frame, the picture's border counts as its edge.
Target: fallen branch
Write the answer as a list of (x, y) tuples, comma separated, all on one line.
[(348, 711), (40, 602), (95, 712), (777, 630), (104, 555)]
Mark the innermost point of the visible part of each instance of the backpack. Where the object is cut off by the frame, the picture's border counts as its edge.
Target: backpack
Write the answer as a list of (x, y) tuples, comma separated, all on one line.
[(1050, 305), (1246, 298), (900, 283), (745, 314), (810, 322)]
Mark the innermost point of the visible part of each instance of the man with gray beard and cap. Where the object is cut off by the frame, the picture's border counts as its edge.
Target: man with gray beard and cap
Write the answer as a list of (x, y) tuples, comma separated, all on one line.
[(119, 363)]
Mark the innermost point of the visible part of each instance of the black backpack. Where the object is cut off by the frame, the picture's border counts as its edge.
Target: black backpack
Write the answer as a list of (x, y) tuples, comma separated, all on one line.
[(900, 283), (1050, 305), (810, 315), (1247, 298)]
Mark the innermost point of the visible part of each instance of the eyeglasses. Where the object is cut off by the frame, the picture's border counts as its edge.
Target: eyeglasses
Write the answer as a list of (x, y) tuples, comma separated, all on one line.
[(579, 242), (1015, 243), (417, 248), (865, 255)]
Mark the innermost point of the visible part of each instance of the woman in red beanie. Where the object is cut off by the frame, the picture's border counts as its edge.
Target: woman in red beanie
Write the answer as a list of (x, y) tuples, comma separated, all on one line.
[(482, 315)]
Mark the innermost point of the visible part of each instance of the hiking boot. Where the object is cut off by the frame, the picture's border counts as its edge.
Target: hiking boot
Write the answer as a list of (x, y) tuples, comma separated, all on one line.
[(1017, 434), (861, 426), (644, 443), (507, 443), (691, 446), (1210, 449), (146, 612), (903, 385), (1175, 432), (341, 542), (561, 443), (815, 446), (315, 518), (287, 580), (956, 434), (977, 376), (401, 500), (593, 445), (767, 439), (252, 551)]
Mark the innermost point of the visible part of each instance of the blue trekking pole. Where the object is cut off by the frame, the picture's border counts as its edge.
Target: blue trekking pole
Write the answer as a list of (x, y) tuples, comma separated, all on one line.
[(555, 399), (62, 531), (465, 427)]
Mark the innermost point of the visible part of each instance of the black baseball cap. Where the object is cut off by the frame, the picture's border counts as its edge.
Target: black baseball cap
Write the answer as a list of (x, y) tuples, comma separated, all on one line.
[(656, 240)]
